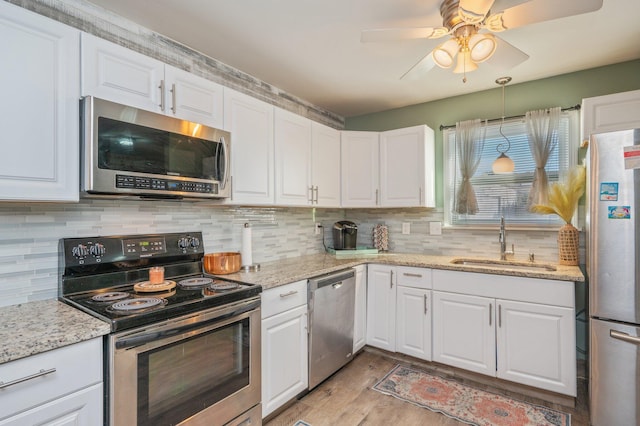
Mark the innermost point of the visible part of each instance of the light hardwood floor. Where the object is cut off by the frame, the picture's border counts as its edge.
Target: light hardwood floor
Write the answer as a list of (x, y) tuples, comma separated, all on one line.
[(346, 398)]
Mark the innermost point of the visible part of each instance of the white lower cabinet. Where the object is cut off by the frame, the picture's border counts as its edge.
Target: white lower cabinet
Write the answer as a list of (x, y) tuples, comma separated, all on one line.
[(399, 309), (66, 387), (360, 311), (478, 326), (285, 370)]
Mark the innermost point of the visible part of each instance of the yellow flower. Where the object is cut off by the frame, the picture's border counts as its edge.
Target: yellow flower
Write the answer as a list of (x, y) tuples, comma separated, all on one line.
[(564, 196)]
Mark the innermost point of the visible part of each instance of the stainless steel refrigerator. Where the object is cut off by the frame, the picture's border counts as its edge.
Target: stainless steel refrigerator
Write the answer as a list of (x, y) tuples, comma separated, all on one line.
[(613, 263)]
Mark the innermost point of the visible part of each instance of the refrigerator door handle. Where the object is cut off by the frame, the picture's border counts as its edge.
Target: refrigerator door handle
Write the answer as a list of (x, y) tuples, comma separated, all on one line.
[(624, 337)]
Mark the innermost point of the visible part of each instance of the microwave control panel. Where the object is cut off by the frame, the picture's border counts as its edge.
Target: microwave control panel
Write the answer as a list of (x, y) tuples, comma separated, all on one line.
[(157, 184)]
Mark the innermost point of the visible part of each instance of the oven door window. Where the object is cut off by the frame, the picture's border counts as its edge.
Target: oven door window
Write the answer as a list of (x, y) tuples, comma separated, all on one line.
[(133, 148), (178, 380)]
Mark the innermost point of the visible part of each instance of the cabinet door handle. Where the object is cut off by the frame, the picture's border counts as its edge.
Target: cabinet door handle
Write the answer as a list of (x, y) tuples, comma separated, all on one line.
[(419, 195), (490, 313), (161, 87), (173, 98), (407, 274), (310, 199), (316, 192), (377, 196), (26, 378), (292, 292), (425, 304), (499, 315), (391, 279), (624, 337)]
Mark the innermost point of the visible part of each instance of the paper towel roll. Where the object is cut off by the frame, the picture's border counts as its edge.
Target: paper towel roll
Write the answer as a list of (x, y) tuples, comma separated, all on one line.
[(245, 253)]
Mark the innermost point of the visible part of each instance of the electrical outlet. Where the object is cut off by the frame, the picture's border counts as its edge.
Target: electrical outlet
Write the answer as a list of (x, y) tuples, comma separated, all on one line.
[(435, 228), (406, 228), (318, 228)]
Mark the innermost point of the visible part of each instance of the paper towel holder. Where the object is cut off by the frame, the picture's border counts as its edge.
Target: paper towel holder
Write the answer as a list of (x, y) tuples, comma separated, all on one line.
[(253, 267)]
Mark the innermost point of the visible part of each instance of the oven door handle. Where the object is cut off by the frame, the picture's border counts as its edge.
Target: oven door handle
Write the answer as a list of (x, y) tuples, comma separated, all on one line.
[(162, 334)]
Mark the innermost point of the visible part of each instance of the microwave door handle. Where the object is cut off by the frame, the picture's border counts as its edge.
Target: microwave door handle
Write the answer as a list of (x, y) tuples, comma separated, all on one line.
[(226, 163)]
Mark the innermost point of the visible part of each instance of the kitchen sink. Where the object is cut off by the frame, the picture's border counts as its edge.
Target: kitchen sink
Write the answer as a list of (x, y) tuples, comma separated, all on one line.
[(504, 264)]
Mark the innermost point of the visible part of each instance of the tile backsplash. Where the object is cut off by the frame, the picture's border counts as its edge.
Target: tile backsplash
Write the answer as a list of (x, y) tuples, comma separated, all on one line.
[(30, 233)]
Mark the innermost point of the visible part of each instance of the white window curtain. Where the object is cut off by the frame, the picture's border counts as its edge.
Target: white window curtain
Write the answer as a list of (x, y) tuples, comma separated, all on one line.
[(470, 136), (542, 130)]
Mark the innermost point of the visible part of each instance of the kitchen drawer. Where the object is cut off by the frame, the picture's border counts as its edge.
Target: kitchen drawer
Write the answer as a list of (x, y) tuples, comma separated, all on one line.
[(283, 298), (76, 367), (414, 277)]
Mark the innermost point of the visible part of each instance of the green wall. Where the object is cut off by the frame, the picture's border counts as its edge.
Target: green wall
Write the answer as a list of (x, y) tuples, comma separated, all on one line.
[(563, 90)]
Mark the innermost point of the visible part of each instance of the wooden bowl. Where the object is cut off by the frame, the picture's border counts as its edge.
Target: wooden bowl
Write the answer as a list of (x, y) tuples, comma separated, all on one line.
[(221, 263)]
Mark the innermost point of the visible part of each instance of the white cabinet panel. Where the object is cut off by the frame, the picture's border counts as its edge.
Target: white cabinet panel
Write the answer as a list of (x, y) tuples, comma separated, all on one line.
[(463, 332), (194, 98), (111, 72), (325, 166), (360, 169), (39, 124), (250, 122), (610, 113), (532, 346), (284, 358), (360, 312), (293, 159), (381, 307), (413, 322), (407, 167)]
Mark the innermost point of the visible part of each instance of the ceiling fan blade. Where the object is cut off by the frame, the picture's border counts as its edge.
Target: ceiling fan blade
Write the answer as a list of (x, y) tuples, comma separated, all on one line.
[(423, 66), (474, 11), (396, 34), (545, 10), (506, 56)]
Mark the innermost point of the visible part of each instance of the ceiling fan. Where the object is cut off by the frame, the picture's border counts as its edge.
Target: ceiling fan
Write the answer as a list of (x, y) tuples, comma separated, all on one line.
[(470, 24)]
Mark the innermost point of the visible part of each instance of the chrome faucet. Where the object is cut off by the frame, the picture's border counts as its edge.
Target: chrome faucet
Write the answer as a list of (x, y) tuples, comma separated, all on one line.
[(502, 237)]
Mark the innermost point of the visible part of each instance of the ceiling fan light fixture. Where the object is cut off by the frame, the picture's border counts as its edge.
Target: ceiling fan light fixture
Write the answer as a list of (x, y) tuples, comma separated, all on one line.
[(465, 64), (494, 23), (445, 54), (482, 47)]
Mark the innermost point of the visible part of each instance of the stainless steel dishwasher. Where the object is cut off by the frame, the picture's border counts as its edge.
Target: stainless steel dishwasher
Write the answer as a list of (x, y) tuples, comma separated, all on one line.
[(331, 316)]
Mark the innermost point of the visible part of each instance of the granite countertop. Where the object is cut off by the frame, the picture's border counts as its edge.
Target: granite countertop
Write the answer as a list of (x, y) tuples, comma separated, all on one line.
[(276, 273), (35, 327)]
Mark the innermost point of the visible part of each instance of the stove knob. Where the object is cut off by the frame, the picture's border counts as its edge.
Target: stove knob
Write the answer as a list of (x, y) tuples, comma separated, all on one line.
[(183, 242), (79, 251), (97, 249), (195, 243)]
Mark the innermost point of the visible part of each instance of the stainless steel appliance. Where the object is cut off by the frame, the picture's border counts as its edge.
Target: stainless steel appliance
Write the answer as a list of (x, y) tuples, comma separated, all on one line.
[(345, 235), (614, 274), (331, 316), (188, 354), (129, 152)]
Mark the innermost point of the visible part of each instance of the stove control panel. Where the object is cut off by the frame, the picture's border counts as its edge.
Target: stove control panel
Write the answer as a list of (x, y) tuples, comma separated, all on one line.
[(130, 248)]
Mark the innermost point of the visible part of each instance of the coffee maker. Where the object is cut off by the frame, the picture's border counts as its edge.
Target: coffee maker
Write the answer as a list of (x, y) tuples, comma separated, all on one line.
[(345, 234)]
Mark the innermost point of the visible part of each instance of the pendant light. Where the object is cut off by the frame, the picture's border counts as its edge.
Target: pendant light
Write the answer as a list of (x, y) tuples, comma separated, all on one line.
[(503, 164)]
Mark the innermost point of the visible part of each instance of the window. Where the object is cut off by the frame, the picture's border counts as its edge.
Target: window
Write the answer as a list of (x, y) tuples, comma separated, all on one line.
[(506, 194)]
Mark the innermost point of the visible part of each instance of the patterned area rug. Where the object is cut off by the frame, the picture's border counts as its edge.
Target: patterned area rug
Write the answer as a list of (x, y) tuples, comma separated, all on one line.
[(464, 403)]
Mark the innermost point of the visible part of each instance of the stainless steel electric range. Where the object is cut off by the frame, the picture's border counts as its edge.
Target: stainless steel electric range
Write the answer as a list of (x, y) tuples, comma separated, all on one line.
[(183, 350)]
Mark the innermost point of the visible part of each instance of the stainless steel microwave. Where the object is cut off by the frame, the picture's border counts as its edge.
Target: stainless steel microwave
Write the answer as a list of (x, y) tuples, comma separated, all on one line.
[(129, 152)]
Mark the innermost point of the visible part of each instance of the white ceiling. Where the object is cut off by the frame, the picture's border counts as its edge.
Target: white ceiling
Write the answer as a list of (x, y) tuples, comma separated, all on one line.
[(312, 50)]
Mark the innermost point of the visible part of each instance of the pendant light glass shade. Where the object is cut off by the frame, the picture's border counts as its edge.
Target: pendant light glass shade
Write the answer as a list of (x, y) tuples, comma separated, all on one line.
[(503, 164), (465, 64), (482, 47), (445, 54)]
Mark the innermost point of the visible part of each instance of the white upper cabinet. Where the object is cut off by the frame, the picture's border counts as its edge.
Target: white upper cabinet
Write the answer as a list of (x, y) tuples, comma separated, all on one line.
[(609, 113), (117, 74), (407, 167), (360, 161), (39, 122), (325, 165), (250, 122), (293, 159)]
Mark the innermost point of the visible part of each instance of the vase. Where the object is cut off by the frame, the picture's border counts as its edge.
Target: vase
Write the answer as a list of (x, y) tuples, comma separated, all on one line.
[(568, 245)]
